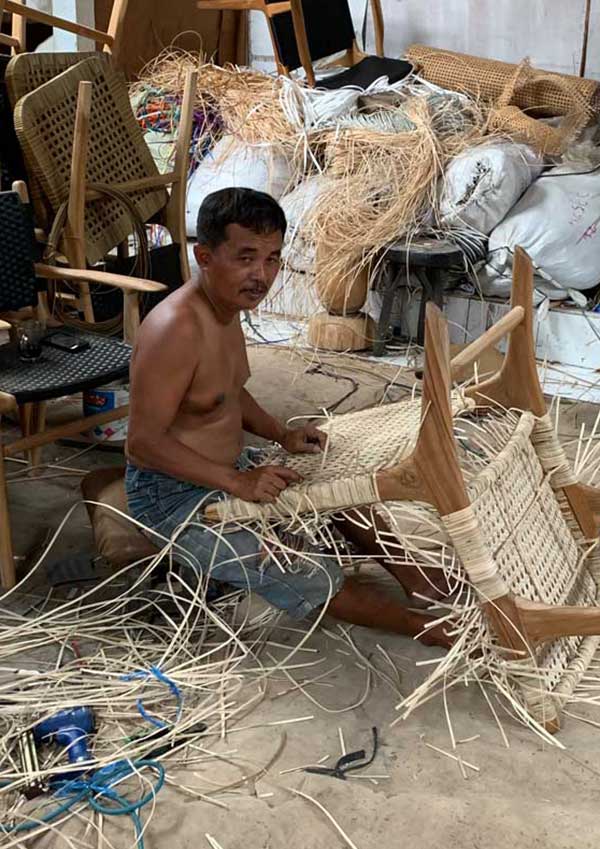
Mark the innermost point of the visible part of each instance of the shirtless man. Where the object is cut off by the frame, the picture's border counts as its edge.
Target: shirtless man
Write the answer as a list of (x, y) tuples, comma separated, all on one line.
[(189, 408)]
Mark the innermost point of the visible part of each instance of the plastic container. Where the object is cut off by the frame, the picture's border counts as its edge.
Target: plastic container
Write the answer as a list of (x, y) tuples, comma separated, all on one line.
[(102, 400)]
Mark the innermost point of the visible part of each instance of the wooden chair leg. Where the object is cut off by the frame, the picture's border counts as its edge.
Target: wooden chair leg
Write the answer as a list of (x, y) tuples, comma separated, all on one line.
[(543, 622), (175, 211), (38, 425), (7, 563)]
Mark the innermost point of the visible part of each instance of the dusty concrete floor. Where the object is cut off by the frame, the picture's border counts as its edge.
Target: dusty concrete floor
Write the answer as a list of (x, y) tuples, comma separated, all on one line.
[(528, 795)]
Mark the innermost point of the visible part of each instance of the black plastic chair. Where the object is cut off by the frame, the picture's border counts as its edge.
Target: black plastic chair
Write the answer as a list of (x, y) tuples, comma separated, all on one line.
[(26, 386)]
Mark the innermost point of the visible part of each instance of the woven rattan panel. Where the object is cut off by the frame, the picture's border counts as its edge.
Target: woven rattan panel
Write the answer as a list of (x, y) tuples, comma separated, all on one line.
[(45, 121), (59, 373), (28, 71), (487, 78), (358, 443), (17, 279), (24, 73)]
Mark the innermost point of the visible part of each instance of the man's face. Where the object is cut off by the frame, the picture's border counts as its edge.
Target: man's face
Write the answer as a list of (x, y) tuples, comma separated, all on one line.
[(241, 270)]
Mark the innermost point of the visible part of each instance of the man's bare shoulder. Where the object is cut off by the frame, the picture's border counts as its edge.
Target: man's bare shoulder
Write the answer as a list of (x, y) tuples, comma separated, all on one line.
[(176, 321)]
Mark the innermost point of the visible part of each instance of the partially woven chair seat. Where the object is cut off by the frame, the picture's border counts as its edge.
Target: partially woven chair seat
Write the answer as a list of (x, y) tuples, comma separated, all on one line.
[(359, 445), (489, 497), (59, 373)]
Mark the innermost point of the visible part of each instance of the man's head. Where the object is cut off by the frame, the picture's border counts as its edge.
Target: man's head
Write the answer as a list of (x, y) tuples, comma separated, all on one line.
[(240, 236)]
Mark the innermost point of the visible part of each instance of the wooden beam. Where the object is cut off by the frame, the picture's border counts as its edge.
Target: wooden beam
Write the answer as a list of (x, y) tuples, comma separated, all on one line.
[(378, 27), (175, 211), (116, 25), (74, 238), (119, 281), (302, 41), (156, 181), (7, 563)]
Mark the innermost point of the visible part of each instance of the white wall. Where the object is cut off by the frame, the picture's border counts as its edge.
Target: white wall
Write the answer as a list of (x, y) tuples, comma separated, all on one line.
[(548, 31), (72, 10)]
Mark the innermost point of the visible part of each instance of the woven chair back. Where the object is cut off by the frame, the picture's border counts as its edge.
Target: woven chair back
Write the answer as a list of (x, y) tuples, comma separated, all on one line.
[(117, 152)]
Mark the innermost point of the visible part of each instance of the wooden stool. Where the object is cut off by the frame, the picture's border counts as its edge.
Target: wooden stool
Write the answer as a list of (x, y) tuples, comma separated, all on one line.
[(428, 258)]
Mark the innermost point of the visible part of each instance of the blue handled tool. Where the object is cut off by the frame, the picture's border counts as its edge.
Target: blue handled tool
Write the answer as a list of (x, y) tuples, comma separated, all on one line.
[(70, 729)]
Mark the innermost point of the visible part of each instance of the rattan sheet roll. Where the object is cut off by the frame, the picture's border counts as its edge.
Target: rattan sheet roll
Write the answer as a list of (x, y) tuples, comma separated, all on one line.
[(487, 78)]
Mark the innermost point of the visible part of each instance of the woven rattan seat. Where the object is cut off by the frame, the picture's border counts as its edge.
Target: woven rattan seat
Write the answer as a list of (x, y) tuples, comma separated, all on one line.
[(117, 153), (59, 373)]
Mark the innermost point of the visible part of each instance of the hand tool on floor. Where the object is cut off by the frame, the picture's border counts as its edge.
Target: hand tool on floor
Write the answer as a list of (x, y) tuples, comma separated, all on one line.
[(69, 729)]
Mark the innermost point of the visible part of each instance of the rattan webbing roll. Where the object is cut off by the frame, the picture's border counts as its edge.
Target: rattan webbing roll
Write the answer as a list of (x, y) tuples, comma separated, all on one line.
[(464, 530), (487, 78)]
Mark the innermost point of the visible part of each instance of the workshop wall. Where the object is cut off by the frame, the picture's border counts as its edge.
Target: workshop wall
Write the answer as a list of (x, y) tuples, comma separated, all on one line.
[(549, 31)]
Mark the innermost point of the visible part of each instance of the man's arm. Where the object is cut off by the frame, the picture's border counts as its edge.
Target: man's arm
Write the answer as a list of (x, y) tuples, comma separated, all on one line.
[(162, 369), (303, 440)]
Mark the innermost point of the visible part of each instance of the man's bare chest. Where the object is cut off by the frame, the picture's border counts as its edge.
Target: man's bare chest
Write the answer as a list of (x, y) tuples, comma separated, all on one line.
[(220, 374)]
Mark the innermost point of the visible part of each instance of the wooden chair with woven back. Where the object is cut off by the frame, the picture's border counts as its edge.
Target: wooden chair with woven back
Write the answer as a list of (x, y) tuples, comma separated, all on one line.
[(100, 192), (25, 387), (516, 534), (306, 31)]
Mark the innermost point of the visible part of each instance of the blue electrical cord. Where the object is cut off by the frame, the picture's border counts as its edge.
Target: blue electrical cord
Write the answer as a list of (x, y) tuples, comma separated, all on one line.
[(99, 785)]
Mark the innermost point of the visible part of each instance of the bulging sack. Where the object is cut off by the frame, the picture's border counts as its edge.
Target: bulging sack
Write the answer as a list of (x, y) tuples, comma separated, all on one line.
[(232, 163)]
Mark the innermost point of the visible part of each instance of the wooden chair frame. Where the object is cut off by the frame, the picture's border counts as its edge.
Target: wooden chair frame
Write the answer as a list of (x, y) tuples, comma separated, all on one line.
[(32, 415), (432, 473), (351, 57), (111, 40), (173, 213)]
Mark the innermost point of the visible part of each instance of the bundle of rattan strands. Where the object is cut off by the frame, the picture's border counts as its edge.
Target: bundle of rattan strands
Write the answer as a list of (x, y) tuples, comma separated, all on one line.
[(384, 181), (247, 101)]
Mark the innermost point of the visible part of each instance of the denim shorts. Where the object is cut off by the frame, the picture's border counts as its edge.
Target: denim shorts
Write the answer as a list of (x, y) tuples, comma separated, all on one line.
[(174, 509)]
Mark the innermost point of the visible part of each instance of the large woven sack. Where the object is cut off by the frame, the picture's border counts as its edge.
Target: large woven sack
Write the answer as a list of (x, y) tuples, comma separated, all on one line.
[(484, 182), (556, 222)]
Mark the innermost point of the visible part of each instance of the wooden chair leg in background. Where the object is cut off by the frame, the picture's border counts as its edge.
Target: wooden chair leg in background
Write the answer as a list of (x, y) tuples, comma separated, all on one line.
[(32, 417), (7, 563)]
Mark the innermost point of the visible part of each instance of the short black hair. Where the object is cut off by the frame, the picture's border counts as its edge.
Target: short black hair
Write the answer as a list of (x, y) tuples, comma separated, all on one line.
[(257, 211)]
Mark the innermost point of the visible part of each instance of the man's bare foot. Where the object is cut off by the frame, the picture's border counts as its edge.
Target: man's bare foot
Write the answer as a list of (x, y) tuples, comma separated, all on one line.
[(436, 636)]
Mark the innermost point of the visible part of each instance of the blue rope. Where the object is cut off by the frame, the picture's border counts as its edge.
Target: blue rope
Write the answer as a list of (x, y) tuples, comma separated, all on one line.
[(160, 676), (99, 785)]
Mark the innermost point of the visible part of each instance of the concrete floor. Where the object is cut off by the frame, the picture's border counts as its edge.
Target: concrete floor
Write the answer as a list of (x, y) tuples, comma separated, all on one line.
[(528, 795)]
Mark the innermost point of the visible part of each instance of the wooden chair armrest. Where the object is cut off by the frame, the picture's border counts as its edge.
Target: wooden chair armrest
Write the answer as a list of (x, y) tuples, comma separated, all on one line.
[(119, 281)]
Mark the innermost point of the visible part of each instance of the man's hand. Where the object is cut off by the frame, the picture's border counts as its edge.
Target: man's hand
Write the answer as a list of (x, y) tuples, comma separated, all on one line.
[(304, 440), (263, 484)]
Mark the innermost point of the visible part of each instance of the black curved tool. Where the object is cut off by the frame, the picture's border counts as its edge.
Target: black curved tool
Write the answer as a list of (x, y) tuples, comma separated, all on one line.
[(347, 763)]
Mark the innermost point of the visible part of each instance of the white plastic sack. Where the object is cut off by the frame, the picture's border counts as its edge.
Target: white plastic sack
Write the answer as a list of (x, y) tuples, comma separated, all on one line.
[(557, 221), (232, 163), (299, 249), (483, 183)]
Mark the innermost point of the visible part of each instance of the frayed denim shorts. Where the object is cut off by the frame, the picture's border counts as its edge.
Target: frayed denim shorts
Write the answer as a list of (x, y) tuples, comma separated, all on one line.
[(171, 509)]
